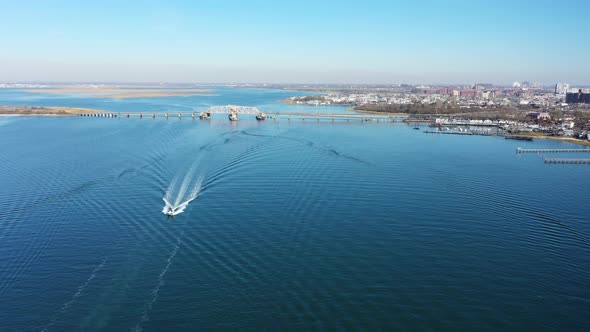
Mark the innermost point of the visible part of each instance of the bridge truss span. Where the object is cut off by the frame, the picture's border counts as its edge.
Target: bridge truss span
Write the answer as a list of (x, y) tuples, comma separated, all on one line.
[(233, 108)]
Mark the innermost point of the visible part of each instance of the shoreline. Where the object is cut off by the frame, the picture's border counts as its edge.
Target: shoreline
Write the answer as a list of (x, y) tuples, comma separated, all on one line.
[(566, 139), (60, 111), (352, 109), (292, 102), (422, 116), (287, 101), (6, 110), (378, 113)]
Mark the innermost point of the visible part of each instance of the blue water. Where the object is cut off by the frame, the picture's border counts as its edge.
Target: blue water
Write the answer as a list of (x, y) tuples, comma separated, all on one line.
[(265, 99), (297, 226)]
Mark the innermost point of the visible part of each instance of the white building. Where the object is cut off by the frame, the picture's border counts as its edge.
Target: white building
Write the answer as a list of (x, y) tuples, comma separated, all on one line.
[(488, 94), (568, 125), (576, 90), (561, 88)]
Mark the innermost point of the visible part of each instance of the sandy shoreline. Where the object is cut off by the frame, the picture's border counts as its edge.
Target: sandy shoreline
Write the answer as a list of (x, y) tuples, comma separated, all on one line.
[(45, 111), (566, 139)]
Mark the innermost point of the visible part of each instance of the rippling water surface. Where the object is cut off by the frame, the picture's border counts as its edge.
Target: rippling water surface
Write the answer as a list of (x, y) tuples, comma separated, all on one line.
[(297, 226)]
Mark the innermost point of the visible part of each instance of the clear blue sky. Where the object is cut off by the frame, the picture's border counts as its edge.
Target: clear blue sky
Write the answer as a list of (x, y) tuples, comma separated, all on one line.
[(296, 41)]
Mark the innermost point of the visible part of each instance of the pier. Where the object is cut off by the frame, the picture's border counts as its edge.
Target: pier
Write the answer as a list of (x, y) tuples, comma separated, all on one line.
[(521, 150), (566, 161)]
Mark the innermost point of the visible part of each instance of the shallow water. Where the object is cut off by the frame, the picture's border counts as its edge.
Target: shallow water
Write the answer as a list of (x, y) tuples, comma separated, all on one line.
[(297, 226), (266, 100)]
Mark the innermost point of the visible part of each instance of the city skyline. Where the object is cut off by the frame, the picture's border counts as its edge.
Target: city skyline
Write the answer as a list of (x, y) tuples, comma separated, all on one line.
[(304, 42)]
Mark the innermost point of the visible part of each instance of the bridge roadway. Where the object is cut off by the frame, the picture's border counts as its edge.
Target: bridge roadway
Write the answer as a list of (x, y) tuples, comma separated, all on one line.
[(302, 115)]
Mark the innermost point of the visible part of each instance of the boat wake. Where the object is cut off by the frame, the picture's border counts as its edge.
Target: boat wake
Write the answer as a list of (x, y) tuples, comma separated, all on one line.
[(75, 297), (154, 295), (177, 198)]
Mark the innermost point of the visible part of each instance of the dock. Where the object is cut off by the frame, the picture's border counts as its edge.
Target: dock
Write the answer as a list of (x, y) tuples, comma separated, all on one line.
[(566, 161), (521, 150)]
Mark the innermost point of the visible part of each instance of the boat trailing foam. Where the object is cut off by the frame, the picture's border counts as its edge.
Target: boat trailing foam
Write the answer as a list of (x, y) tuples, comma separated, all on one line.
[(181, 198)]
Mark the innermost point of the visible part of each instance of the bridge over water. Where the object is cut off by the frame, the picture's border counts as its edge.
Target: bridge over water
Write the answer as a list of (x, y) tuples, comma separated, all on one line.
[(250, 110), (233, 108)]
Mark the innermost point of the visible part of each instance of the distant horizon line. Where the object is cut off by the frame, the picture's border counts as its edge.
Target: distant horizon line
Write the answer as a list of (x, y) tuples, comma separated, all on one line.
[(276, 83)]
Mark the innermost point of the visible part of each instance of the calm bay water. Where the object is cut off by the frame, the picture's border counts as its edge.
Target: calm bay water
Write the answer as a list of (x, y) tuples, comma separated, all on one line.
[(297, 226), (265, 99)]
